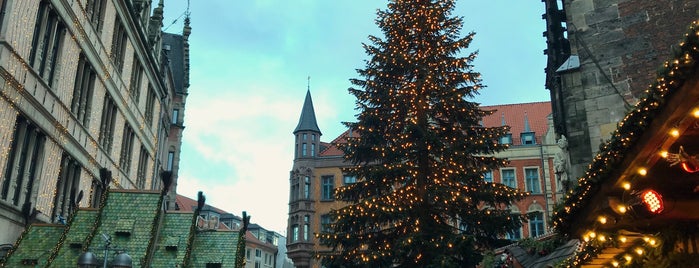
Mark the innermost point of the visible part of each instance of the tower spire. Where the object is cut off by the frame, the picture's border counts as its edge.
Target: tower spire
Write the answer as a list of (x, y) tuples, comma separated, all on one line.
[(307, 120)]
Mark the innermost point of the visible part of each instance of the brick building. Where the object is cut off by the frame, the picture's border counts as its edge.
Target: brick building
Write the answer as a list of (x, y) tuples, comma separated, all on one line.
[(317, 171), (602, 55), (85, 86)]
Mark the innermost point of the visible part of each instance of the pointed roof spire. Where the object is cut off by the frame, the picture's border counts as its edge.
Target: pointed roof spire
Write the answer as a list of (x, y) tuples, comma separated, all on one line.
[(307, 121), (527, 128)]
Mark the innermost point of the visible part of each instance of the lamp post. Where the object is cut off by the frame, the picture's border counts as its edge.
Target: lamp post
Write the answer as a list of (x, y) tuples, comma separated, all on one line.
[(89, 260)]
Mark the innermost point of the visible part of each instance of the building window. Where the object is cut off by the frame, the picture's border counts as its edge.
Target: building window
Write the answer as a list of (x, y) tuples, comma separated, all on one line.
[(109, 112), (488, 176), (82, 91), (508, 178), (313, 149), (532, 177), (303, 148), (257, 264), (67, 187), (24, 162), (328, 187), (126, 149), (294, 233), (136, 78), (175, 116), (515, 234), (349, 179), (294, 189), (170, 160), (95, 12), (307, 187), (150, 105), (325, 222), (305, 136), (507, 139), (258, 253), (313, 137), (247, 254), (528, 138), (306, 228), (142, 168), (119, 40), (46, 42), (536, 224)]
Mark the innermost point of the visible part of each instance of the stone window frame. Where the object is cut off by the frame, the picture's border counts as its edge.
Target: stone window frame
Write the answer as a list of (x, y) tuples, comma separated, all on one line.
[(106, 134), (24, 164), (534, 189), (85, 79), (47, 43)]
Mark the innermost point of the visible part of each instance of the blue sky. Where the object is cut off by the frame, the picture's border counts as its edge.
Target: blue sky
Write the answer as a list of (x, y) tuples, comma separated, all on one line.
[(250, 60)]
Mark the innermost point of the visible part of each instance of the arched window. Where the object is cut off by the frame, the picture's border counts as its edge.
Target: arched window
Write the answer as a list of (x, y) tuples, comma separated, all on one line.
[(536, 220), (515, 234)]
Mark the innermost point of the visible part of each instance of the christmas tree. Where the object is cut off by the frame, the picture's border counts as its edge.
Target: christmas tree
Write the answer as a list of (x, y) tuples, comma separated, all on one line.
[(421, 151)]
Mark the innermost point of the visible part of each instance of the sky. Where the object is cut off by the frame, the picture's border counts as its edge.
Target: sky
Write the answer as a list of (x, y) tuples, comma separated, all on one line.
[(249, 66)]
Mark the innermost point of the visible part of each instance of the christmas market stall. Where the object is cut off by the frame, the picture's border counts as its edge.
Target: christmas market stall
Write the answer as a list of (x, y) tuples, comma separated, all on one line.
[(638, 203)]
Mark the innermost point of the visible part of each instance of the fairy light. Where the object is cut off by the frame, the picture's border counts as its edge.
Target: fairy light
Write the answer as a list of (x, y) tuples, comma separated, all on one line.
[(621, 209), (675, 132), (602, 219), (626, 186), (642, 171)]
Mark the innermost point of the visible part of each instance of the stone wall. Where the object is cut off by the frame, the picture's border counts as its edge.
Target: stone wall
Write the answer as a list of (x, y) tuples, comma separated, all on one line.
[(621, 43)]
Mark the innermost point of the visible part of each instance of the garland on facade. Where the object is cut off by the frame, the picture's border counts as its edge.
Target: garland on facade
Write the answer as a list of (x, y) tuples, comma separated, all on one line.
[(166, 177), (201, 199), (240, 251)]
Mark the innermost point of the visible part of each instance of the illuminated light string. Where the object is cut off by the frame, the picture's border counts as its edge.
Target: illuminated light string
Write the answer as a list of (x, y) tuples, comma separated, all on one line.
[(19, 65), (635, 122)]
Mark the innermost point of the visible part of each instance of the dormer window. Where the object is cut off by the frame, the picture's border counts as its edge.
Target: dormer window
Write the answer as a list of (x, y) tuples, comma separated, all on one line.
[(506, 139), (528, 138)]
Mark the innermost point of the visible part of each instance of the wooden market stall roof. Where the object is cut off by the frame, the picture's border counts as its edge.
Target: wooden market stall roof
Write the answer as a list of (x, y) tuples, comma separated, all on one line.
[(605, 206)]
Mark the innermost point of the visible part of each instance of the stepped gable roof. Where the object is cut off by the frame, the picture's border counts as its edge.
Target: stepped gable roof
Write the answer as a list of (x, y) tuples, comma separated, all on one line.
[(518, 116), (34, 245), (307, 120)]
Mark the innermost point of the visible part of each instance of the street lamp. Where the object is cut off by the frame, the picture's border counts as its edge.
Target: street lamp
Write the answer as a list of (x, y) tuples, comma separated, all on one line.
[(89, 260)]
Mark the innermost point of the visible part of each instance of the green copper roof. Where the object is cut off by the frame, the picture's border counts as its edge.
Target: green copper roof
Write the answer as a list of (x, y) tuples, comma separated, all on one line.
[(70, 250), (123, 207), (36, 245), (214, 247), (172, 242)]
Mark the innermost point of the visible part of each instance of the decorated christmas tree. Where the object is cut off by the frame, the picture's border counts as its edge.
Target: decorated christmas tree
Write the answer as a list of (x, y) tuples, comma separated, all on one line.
[(420, 152)]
